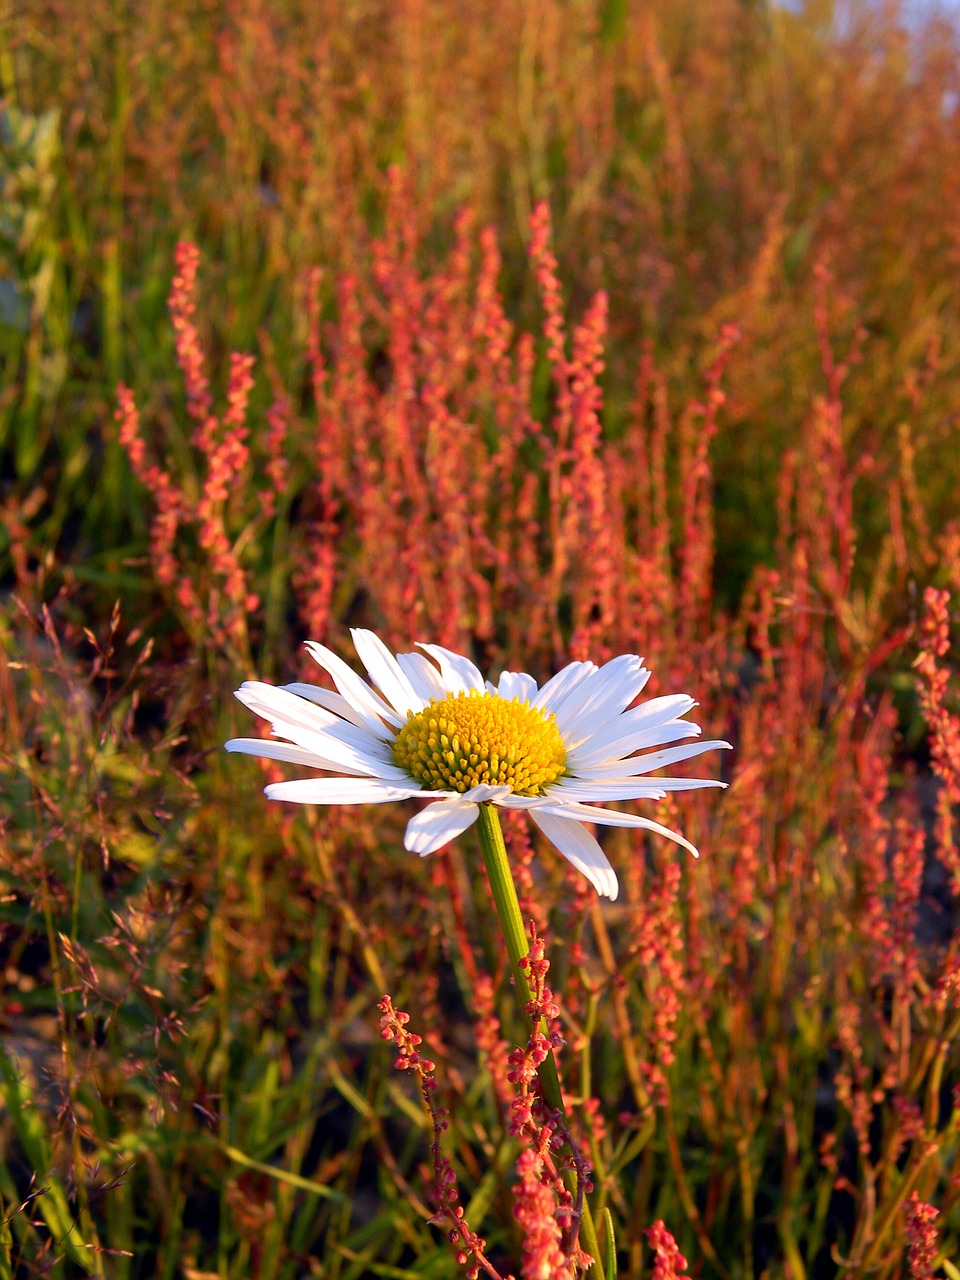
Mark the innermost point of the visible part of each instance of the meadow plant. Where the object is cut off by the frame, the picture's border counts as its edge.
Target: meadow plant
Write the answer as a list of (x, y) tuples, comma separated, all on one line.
[(669, 1261), (701, 159), (435, 730), (215, 607), (776, 1023), (703, 410), (444, 1191)]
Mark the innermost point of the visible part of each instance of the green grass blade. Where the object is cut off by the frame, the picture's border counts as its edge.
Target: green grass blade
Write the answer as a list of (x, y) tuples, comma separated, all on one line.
[(281, 1175), (610, 1250), (53, 1204)]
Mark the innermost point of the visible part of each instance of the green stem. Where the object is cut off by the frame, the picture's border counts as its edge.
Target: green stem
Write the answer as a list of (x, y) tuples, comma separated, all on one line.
[(511, 923)]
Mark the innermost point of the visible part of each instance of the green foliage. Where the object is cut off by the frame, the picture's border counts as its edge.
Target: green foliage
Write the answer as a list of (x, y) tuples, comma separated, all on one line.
[(761, 1048), (34, 311)]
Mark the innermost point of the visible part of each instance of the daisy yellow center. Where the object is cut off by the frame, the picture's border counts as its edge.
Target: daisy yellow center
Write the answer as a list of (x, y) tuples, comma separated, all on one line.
[(466, 739)]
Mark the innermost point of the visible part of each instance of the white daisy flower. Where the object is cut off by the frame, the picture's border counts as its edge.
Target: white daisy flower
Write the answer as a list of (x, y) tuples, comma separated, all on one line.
[(435, 730)]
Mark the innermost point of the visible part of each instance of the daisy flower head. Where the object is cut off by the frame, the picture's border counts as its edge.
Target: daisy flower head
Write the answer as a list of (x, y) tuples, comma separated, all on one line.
[(428, 727)]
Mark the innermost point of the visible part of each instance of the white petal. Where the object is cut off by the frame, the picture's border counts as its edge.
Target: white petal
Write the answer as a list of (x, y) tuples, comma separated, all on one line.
[(601, 747), (486, 793), (587, 755), (365, 701), (360, 737), (562, 684), (517, 684), (386, 673), (277, 704), (327, 699), (579, 847), (423, 675), (607, 693), (639, 720), (438, 824), (290, 716), (624, 768), (606, 789), (338, 791), (688, 784), (290, 710), (270, 750), (334, 743), (611, 818), (570, 703), (627, 788), (457, 672), (668, 706)]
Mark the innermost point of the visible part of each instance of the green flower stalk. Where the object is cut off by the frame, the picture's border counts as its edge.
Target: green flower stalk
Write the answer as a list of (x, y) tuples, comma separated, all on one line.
[(504, 891)]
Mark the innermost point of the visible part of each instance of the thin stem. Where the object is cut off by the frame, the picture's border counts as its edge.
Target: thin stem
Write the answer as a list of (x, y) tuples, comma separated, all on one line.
[(505, 900)]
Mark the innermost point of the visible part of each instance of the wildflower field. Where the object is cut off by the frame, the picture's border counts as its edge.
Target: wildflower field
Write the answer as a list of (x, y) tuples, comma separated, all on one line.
[(545, 334)]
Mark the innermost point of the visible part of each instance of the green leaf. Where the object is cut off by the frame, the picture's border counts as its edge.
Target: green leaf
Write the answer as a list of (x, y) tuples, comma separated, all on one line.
[(610, 1264), (6, 1251)]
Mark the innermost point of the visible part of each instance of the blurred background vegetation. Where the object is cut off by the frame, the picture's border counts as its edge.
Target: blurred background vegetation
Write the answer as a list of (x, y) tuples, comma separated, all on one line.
[(770, 199), (700, 159)]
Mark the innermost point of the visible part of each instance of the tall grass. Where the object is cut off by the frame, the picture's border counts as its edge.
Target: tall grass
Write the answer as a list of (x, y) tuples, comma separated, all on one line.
[(700, 405)]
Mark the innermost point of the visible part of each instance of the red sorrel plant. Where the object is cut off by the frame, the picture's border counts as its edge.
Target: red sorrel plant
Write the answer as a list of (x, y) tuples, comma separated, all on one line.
[(195, 548), (701, 158), (546, 1211)]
